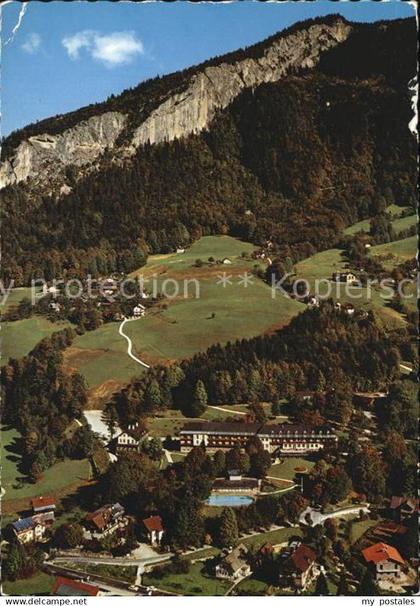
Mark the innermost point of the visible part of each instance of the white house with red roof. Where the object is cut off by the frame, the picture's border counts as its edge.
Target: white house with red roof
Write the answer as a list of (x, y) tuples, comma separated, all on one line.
[(154, 528), (385, 560)]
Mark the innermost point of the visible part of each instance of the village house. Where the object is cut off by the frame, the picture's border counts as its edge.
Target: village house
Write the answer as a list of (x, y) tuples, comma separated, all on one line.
[(226, 261), (43, 504), (106, 520), (344, 276), (385, 561), (64, 586), (403, 508), (368, 398), (154, 529), (299, 569), (283, 438), (234, 566), (29, 530), (139, 311), (131, 439)]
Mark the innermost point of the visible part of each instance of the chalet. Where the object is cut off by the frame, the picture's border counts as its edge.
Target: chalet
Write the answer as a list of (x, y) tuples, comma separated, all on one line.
[(299, 569), (70, 587), (139, 311), (403, 508), (131, 439), (385, 560), (43, 504), (234, 566), (29, 530), (106, 520), (344, 276), (154, 528), (71, 428), (282, 438)]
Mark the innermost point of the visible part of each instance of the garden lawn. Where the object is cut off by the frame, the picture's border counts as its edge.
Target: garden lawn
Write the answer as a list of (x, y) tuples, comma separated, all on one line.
[(56, 479), (274, 537), (358, 528), (20, 337), (195, 582), (286, 470), (39, 584)]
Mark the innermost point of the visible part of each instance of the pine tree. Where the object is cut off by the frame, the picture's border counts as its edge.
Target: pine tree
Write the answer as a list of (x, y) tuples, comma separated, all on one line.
[(228, 530), (321, 586), (199, 401), (343, 587), (367, 585)]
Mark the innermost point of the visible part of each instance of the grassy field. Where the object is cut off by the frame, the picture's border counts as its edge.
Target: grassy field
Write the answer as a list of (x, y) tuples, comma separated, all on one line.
[(358, 528), (394, 253), (120, 573), (15, 297), (275, 537), (56, 479), (183, 326), (195, 582), (321, 266), (20, 337), (398, 223), (39, 584)]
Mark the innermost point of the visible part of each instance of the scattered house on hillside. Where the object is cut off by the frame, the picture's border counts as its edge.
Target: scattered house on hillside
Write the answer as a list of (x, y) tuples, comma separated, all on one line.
[(348, 309), (299, 569), (139, 311), (226, 261), (344, 276), (236, 483), (154, 529), (311, 301), (234, 566), (106, 520), (29, 530), (385, 561), (180, 251), (131, 439), (403, 508), (43, 505), (64, 586), (55, 306)]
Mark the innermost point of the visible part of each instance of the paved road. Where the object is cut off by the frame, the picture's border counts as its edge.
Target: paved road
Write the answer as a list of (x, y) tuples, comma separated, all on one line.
[(130, 343), (319, 518)]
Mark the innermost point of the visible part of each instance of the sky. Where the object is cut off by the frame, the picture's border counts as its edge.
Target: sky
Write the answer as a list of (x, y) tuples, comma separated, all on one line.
[(65, 55)]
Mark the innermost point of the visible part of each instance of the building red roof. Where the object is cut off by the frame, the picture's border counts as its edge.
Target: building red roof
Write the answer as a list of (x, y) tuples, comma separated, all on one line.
[(381, 552), (154, 523), (303, 557), (64, 586), (40, 502)]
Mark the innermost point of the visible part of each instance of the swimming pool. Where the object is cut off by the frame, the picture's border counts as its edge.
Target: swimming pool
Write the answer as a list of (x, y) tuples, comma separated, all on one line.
[(228, 500)]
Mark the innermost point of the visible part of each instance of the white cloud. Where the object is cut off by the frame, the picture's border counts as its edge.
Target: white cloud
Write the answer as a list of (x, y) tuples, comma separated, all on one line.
[(32, 43), (112, 49)]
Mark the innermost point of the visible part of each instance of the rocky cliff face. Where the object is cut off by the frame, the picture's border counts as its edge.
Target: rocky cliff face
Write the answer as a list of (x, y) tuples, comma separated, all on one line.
[(178, 116), (48, 153)]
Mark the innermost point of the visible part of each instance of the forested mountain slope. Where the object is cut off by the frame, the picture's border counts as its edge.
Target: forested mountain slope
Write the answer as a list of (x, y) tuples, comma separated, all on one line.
[(305, 146)]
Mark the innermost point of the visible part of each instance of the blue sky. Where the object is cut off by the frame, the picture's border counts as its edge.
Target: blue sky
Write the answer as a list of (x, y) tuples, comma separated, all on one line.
[(68, 54)]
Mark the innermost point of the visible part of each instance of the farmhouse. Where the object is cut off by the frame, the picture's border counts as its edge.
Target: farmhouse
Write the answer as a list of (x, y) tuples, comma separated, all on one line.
[(43, 504), (154, 528), (385, 561), (299, 569), (234, 566), (29, 530), (130, 439), (139, 311), (106, 520), (403, 508), (344, 276), (283, 438)]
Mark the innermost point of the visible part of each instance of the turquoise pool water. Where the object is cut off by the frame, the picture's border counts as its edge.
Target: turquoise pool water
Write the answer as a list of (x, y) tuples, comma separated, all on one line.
[(229, 500)]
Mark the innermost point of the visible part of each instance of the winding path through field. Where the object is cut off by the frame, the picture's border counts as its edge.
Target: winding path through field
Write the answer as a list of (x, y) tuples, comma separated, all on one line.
[(130, 343)]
